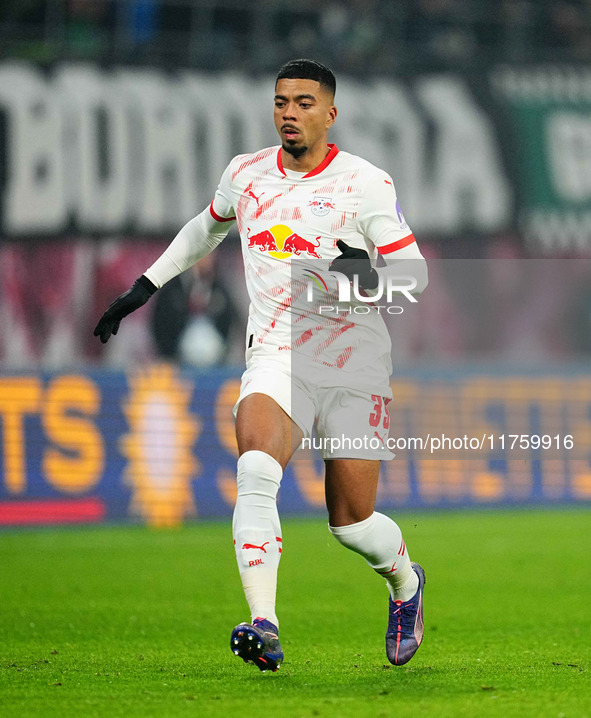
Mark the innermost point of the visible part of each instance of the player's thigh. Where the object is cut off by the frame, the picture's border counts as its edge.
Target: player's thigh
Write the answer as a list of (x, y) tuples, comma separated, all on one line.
[(262, 425), (351, 486), (353, 424)]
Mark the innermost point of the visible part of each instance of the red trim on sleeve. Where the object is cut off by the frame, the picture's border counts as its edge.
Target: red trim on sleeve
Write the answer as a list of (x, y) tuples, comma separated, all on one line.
[(217, 217), (399, 244), (333, 152)]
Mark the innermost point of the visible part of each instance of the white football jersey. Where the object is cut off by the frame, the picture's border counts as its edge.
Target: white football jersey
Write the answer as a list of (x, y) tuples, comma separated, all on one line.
[(289, 224)]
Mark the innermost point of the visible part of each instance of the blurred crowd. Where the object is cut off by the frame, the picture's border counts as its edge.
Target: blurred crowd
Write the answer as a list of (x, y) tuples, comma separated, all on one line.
[(354, 36), (501, 307)]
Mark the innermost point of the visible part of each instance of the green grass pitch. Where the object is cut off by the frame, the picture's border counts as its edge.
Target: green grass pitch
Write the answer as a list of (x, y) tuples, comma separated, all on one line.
[(127, 621)]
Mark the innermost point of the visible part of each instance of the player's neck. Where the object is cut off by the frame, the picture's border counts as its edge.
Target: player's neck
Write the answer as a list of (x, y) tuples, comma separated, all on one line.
[(308, 161)]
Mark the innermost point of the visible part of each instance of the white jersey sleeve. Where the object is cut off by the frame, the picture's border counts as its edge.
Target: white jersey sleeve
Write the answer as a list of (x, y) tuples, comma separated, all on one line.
[(222, 208), (382, 222), (380, 217), (197, 238)]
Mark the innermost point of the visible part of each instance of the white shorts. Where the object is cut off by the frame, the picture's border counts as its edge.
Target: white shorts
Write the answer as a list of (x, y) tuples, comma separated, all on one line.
[(349, 423)]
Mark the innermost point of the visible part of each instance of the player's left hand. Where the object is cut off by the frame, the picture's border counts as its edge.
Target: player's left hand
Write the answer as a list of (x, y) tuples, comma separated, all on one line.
[(355, 262)]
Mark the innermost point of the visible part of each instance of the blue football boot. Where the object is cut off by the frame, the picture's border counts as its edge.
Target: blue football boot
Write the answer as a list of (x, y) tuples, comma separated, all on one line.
[(257, 643), (405, 624)]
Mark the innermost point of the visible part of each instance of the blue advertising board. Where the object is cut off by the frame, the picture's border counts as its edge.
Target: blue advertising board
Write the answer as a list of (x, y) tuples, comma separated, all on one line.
[(157, 445)]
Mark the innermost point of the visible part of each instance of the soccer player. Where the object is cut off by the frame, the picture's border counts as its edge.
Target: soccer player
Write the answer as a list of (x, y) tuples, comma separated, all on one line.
[(309, 215)]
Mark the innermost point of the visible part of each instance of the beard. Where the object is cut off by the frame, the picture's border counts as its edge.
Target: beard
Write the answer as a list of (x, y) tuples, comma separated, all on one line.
[(296, 151)]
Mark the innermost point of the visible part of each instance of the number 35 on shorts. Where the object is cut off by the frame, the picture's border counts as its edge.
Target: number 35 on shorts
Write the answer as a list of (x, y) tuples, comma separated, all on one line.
[(379, 415)]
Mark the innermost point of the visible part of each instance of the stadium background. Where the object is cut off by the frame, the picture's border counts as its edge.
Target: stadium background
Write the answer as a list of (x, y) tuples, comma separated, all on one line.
[(116, 120)]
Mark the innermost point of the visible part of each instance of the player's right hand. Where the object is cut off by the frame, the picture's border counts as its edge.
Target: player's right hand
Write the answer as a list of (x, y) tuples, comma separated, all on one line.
[(353, 262), (125, 304)]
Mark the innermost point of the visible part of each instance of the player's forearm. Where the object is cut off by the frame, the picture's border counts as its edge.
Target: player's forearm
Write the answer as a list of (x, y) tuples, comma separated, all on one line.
[(197, 238), (407, 262)]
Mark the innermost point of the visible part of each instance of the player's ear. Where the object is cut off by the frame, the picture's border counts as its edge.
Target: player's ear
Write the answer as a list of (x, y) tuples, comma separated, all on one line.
[(332, 116)]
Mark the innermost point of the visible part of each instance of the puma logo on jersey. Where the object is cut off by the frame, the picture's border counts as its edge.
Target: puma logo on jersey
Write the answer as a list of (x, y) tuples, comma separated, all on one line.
[(250, 193)]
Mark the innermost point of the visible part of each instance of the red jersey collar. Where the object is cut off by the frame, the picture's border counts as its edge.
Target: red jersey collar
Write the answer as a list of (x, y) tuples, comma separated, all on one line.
[(334, 150)]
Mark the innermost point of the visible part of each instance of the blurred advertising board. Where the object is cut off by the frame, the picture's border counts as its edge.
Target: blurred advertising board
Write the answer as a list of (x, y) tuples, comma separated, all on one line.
[(91, 151), (157, 445), (140, 151)]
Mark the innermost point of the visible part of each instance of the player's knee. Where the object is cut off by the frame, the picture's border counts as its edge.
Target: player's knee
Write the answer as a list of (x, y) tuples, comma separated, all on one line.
[(258, 473)]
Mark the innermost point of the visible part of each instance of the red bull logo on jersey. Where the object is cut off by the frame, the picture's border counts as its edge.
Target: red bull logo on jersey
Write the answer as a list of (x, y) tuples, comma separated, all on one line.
[(281, 242)]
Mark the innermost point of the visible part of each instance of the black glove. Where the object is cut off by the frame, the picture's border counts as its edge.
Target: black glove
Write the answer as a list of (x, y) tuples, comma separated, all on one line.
[(355, 261), (127, 303)]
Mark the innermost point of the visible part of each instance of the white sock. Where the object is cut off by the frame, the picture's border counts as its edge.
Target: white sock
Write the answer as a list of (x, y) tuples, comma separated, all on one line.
[(379, 540), (257, 531)]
